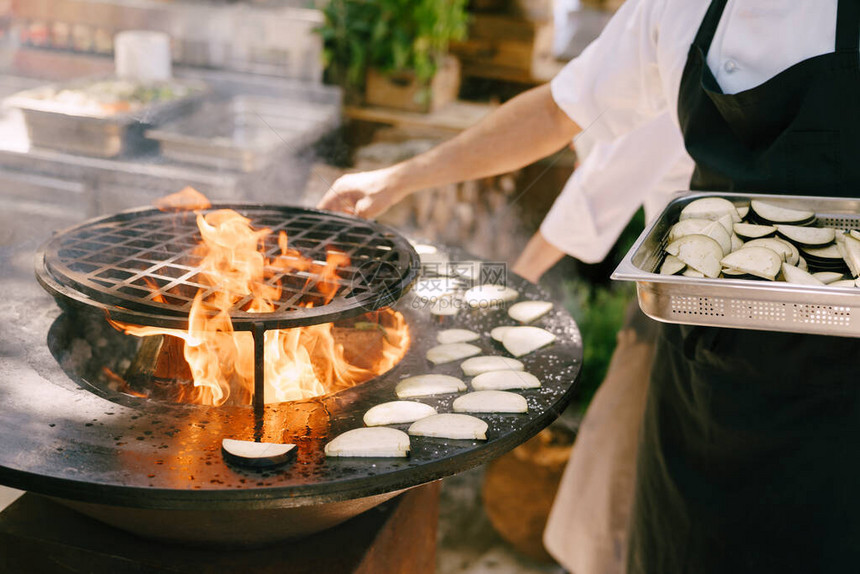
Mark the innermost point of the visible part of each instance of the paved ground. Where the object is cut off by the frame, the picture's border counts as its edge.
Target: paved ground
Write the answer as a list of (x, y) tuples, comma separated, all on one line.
[(467, 542)]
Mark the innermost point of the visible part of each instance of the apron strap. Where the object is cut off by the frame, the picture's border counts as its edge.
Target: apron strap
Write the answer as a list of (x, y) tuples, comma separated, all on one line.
[(848, 26), (708, 28)]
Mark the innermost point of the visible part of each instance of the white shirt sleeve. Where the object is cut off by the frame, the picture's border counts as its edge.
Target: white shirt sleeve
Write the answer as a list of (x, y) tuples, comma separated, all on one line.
[(615, 85), (645, 166)]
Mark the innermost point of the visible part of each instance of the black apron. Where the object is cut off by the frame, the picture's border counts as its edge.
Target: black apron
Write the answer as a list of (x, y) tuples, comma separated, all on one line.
[(750, 453)]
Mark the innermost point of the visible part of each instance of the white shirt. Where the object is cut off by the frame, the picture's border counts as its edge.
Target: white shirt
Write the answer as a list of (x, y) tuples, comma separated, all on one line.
[(647, 165), (632, 72), (623, 90)]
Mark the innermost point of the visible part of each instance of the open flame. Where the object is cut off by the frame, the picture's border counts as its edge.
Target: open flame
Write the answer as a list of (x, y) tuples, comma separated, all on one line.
[(300, 363)]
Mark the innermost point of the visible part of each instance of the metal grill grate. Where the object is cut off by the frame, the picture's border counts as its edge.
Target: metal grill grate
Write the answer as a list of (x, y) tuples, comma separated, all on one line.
[(140, 266)]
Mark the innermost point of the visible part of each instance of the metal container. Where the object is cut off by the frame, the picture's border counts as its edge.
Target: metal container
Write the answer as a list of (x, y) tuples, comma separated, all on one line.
[(246, 133), (739, 303), (72, 128)]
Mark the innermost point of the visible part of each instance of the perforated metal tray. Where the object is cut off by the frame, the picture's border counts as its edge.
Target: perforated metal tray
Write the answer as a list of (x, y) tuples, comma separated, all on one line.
[(740, 303)]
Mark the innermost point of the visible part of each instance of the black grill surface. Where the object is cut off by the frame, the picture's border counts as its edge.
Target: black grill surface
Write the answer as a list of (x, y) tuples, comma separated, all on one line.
[(140, 266)]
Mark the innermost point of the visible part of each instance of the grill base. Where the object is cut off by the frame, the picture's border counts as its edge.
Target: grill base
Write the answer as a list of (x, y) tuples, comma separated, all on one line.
[(38, 535)]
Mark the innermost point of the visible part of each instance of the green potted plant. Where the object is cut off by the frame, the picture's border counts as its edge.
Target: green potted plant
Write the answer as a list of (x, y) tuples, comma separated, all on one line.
[(394, 52)]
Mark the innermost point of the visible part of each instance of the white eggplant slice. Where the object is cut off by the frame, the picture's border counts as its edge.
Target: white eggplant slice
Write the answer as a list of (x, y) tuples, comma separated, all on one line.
[(854, 233), (700, 252), (490, 402), (707, 227), (671, 265), (528, 311), (430, 255), (505, 380), (737, 242), (843, 283), (487, 363), (801, 263), (490, 295), (752, 231), (445, 306), (829, 252), (452, 352), (498, 333), (828, 277), (778, 246), (794, 275), (743, 210), (692, 273), (521, 341), (712, 208), (806, 236), (449, 336), (727, 222), (427, 385), (432, 289), (776, 214), (370, 442), (451, 426), (850, 249), (397, 412), (759, 261), (256, 454)]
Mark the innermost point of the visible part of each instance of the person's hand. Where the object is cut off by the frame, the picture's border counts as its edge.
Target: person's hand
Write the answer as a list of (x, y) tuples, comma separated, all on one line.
[(538, 256), (366, 194)]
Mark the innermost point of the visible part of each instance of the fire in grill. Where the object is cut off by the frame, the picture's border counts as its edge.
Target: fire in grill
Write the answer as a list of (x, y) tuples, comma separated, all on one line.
[(285, 270)]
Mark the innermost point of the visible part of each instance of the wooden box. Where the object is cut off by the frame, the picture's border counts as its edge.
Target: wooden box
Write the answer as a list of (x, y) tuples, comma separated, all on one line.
[(402, 91)]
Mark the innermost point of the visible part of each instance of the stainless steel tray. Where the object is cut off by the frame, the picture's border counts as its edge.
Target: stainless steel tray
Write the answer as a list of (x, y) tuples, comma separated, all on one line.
[(246, 133), (90, 131), (739, 303)]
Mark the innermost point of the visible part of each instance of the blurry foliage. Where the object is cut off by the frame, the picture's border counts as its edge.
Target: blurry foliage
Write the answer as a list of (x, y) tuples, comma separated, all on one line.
[(389, 35), (599, 310)]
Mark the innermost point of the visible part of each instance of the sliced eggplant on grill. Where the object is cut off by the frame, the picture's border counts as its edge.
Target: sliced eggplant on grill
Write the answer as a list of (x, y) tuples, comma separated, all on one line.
[(449, 336), (769, 213), (451, 426), (529, 311), (806, 236), (451, 352), (397, 412), (490, 402), (759, 261), (490, 295), (743, 211), (737, 242), (505, 380), (428, 385), (700, 252), (712, 208), (256, 454), (747, 231), (498, 333), (486, 363), (689, 272), (793, 274), (370, 442), (521, 341)]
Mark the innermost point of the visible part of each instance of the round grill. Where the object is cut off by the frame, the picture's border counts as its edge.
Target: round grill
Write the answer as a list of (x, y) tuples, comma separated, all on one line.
[(140, 266)]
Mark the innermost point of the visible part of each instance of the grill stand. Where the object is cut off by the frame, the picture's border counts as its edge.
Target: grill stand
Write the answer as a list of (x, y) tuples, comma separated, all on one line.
[(258, 330)]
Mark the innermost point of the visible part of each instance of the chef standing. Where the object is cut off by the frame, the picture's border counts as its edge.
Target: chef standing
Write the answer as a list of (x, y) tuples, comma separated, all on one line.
[(750, 440)]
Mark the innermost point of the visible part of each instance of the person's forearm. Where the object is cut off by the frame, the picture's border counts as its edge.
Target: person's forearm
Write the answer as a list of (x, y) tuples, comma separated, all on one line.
[(538, 256), (523, 130)]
